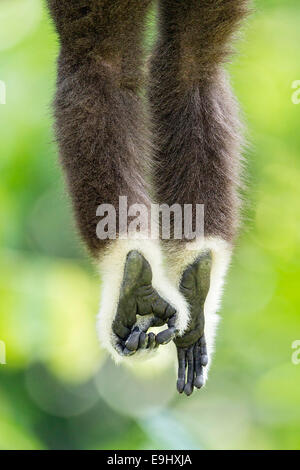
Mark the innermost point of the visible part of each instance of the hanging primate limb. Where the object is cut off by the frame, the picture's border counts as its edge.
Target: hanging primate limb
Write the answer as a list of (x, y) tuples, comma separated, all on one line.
[(104, 143), (198, 136)]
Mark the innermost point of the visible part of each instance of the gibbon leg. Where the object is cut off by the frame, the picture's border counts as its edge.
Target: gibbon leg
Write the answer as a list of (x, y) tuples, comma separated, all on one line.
[(104, 143), (198, 136)]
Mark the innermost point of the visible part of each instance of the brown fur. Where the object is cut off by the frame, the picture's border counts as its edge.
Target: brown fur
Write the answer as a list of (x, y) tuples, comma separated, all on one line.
[(195, 116), (100, 122)]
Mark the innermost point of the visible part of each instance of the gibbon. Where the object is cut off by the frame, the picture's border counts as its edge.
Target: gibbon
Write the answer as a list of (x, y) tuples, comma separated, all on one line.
[(164, 130)]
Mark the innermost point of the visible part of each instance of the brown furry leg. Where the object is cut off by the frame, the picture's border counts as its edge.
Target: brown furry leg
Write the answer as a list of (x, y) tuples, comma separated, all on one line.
[(197, 131), (101, 126), (103, 138)]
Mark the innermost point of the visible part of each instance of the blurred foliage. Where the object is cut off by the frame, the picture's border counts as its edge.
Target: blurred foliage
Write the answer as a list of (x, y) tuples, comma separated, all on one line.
[(57, 389)]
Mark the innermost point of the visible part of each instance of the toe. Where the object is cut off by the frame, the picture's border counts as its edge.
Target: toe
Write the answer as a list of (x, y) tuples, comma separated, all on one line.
[(132, 342), (151, 341), (127, 352), (143, 341), (181, 353), (203, 351), (180, 385), (188, 389), (204, 360), (164, 337), (199, 381)]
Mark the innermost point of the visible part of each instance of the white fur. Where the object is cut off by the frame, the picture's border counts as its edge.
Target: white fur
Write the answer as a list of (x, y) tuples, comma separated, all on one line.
[(221, 254), (112, 270)]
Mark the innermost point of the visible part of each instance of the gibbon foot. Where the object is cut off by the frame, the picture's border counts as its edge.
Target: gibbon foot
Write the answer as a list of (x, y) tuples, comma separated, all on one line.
[(139, 298), (191, 347)]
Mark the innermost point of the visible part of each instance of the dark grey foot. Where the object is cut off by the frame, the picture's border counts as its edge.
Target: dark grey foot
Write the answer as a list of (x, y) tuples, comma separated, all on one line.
[(191, 347), (140, 301)]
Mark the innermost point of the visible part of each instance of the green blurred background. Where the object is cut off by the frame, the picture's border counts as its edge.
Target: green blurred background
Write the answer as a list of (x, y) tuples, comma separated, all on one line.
[(58, 390)]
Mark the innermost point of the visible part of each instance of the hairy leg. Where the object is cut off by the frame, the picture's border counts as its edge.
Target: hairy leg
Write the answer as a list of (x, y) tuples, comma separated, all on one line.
[(198, 135), (101, 126), (102, 132)]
